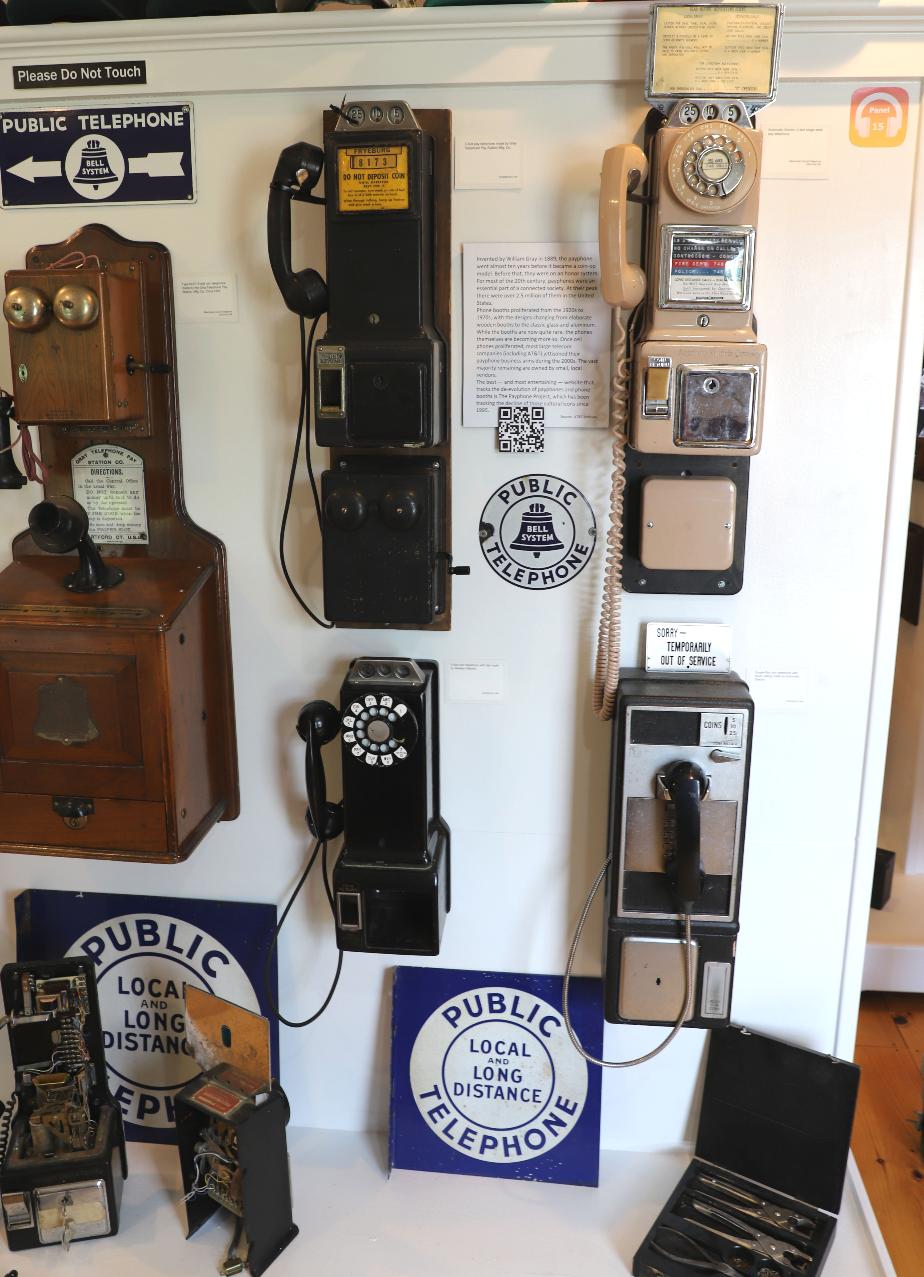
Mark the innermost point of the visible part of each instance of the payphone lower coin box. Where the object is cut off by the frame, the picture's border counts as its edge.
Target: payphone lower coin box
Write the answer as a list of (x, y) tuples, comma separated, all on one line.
[(762, 1192), (394, 908), (63, 1165), (112, 717)]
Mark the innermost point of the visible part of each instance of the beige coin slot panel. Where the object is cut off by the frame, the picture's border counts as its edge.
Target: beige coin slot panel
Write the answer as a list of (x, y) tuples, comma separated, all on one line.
[(703, 399), (688, 524)]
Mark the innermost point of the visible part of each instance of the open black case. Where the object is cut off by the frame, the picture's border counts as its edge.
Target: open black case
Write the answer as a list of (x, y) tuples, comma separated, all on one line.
[(62, 1163), (774, 1126)]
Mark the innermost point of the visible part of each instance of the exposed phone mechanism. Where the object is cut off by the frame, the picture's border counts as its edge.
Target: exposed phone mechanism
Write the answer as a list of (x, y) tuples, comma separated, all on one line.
[(117, 734), (62, 1147), (379, 374), (231, 1133)]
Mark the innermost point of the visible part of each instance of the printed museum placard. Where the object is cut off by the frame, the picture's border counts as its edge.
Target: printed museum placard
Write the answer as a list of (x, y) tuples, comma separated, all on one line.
[(485, 1080), (536, 335), (144, 948)]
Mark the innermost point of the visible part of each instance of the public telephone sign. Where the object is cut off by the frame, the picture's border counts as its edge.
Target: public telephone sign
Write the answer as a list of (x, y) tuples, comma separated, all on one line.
[(115, 154)]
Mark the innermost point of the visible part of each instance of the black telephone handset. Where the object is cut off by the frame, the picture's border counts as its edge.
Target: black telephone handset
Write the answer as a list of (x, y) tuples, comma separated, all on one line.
[(686, 786), (298, 170), (318, 724)]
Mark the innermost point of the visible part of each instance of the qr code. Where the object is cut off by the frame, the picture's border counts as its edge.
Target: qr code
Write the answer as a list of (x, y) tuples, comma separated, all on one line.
[(520, 428)]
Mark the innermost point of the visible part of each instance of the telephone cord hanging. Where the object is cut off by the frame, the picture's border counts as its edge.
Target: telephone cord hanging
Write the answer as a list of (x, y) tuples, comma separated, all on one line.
[(606, 665), (304, 423), (689, 985), (320, 846)]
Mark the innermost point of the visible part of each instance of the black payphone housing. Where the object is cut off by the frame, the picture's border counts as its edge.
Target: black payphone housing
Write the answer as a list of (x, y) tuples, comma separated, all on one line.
[(391, 882), (379, 375), (680, 767)]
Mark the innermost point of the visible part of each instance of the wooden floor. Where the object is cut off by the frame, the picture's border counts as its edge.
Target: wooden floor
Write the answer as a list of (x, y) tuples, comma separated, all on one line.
[(886, 1143)]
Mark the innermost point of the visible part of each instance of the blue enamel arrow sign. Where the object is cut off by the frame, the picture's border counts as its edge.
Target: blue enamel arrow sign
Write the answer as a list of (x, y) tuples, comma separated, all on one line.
[(115, 154)]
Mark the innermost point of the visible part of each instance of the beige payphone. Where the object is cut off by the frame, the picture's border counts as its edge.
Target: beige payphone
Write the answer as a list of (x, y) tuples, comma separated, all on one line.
[(690, 373)]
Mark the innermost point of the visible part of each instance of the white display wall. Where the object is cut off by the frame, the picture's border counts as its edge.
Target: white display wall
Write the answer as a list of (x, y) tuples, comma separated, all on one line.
[(525, 781)]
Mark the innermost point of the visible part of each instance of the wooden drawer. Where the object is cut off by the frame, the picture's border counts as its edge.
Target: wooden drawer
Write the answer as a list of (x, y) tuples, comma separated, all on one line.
[(117, 828)]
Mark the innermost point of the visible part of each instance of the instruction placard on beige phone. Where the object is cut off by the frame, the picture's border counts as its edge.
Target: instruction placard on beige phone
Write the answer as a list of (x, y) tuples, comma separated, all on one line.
[(705, 50)]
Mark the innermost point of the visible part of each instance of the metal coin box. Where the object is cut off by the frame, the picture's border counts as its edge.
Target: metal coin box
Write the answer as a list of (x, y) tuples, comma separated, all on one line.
[(63, 1164), (774, 1127)]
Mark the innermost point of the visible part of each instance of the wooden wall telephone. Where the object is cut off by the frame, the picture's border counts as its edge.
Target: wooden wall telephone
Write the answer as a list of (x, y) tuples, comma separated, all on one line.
[(689, 375), (117, 734)]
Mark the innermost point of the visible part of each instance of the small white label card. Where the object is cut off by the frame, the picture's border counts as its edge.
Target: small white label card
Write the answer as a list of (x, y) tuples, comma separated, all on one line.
[(800, 152), (677, 647), (783, 686), (476, 681), (206, 299), (488, 164)]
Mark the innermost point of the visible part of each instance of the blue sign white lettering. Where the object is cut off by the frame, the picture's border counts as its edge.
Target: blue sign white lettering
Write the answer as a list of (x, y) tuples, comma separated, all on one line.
[(139, 154)]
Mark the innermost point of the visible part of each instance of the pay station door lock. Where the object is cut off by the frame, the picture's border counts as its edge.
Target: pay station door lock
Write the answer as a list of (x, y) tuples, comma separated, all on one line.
[(681, 759)]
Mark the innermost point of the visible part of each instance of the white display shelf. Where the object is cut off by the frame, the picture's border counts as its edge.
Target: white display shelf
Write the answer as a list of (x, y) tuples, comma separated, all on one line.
[(355, 1221), (895, 941)]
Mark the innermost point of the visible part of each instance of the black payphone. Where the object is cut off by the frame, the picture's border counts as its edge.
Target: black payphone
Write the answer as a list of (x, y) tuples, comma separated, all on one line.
[(377, 380)]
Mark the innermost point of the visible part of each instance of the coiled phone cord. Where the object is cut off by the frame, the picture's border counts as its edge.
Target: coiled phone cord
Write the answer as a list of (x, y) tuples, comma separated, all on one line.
[(606, 665), (689, 985)]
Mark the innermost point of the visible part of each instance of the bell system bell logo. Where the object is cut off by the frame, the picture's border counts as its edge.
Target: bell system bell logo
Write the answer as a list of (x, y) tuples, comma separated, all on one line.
[(537, 532)]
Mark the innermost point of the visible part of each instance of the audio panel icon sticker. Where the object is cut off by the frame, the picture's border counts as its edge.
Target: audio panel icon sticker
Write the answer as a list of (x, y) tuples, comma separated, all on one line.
[(124, 154)]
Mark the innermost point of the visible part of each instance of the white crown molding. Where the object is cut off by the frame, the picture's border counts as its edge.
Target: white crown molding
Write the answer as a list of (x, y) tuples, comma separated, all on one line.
[(487, 44)]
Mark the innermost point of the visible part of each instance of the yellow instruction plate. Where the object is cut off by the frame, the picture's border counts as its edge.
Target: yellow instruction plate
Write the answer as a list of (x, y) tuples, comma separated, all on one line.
[(714, 51), (372, 178)]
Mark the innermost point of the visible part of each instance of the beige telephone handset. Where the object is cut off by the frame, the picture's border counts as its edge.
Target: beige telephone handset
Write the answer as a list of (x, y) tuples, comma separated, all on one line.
[(621, 282)]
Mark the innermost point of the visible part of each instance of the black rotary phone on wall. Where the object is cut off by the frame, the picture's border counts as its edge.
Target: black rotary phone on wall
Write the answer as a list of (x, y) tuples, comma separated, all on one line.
[(377, 380), (391, 880)]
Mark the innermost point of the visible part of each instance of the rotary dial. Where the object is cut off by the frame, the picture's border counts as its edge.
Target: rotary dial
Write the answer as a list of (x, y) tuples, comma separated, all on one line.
[(712, 167), (379, 730)]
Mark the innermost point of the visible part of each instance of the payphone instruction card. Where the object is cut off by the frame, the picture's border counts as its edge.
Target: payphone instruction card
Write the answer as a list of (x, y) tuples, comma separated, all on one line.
[(536, 335)]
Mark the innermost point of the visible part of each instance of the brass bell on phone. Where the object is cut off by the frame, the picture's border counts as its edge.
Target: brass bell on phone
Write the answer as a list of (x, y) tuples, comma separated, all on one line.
[(76, 306), (537, 531), (25, 308)]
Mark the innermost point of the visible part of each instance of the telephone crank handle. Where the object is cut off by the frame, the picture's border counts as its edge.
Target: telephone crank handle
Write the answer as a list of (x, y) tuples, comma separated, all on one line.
[(622, 283)]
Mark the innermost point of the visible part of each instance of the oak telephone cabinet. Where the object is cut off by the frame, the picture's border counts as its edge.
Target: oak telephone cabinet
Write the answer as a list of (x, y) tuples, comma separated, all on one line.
[(117, 730)]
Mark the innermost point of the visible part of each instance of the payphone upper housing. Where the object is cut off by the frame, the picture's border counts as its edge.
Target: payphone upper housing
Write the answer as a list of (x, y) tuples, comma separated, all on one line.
[(380, 368)]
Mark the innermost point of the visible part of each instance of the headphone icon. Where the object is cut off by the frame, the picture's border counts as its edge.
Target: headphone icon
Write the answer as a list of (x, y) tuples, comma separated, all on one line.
[(863, 113)]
